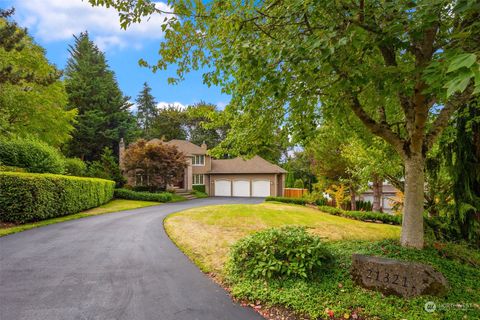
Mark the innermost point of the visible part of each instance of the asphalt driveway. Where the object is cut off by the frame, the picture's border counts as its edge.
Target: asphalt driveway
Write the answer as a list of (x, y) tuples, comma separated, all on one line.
[(114, 266)]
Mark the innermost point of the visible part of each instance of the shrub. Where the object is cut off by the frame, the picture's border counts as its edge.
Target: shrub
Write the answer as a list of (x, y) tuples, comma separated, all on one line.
[(151, 189), (298, 184), (144, 196), (75, 167), (363, 215), (107, 168), (199, 188), (288, 252), (35, 156), (28, 197), (315, 197), (287, 200), (11, 169)]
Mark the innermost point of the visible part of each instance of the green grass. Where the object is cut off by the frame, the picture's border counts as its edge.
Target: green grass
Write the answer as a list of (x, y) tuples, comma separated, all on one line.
[(206, 234), (199, 194), (112, 206)]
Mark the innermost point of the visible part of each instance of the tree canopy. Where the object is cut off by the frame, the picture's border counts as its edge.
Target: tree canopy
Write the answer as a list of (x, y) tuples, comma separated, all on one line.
[(403, 68)]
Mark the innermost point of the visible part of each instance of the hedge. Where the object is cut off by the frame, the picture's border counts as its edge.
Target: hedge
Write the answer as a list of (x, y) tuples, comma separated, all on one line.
[(199, 188), (363, 215), (287, 200), (26, 197), (35, 156), (144, 196)]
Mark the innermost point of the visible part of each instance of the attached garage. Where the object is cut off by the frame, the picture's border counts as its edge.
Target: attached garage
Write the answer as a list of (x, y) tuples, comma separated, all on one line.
[(261, 188), (241, 188), (239, 177), (223, 188)]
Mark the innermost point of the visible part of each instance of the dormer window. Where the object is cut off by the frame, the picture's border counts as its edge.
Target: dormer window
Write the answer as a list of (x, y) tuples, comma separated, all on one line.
[(198, 160)]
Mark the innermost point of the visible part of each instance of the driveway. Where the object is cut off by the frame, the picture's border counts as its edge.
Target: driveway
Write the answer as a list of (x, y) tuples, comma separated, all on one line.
[(114, 266)]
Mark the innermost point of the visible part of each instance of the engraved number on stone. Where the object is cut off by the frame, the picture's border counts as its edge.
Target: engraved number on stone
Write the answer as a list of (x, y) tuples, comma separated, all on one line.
[(395, 279), (369, 275), (386, 278), (405, 282), (378, 274)]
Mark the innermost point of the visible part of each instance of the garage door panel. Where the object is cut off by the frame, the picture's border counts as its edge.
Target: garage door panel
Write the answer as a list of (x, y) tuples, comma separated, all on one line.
[(241, 188), (223, 188), (261, 188)]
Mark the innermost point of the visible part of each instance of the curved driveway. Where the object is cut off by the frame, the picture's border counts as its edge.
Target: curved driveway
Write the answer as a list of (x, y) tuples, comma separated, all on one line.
[(114, 266)]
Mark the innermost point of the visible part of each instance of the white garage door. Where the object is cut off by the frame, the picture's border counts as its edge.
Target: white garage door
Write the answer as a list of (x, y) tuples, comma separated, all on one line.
[(223, 188), (241, 188), (261, 188)]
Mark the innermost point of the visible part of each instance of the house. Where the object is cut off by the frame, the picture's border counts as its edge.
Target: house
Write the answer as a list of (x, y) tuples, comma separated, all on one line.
[(389, 195), (255, 177)]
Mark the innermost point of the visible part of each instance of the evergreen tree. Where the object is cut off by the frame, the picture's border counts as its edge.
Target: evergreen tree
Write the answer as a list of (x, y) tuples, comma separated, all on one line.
[(169, 124), (103, 111), (147, 110)]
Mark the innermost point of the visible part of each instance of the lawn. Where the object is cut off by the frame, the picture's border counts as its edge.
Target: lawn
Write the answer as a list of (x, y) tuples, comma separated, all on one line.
[(206, 234), (212, 230), (112, 206)]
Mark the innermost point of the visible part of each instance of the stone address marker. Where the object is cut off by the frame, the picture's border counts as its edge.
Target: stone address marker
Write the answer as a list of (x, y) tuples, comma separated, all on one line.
[(406, 279)]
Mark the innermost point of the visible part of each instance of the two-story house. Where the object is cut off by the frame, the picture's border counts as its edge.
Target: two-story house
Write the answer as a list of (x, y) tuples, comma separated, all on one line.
[(238, 177)]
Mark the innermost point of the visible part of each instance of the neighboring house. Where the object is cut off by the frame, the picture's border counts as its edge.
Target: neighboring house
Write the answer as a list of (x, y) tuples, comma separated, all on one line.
[(389, 193), (255, 177)]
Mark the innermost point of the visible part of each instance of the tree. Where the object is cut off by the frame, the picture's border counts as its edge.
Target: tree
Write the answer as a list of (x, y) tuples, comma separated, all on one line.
[(103, 111), (32, 97), (146, 110), (200, 126), (169, 124), (160, 163), (106, 168), (403, 68)]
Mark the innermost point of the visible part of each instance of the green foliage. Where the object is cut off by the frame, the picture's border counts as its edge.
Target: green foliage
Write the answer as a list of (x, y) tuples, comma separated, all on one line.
[(363, 215), (298, 184), (279, 253), (146, 111), (33, 155), (32, 97), (299, 201), (106, 168), (199, 188), (290, 180), (144, 196), (169, 124), (75, 167), (28, 197), (337, 292), (103, 110), (202, 126)]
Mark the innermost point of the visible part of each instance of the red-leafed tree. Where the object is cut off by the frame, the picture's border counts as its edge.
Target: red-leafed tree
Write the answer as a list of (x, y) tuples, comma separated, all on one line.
[(158, 163)]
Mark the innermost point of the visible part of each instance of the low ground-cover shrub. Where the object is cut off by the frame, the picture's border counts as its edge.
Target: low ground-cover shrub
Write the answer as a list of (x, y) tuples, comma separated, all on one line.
[(75, 167), (144, 196), (338, 294), (363, 215), (35, 156), (287, 200), (199, 188), (289, 252), (28, 197)]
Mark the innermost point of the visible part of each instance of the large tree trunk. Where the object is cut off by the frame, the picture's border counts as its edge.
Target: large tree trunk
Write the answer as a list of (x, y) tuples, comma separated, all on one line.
[(377, 188), (412, 226), (353, 200)]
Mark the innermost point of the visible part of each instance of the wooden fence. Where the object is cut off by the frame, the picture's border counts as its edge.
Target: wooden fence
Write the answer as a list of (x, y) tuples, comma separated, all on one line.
[(294, 192)]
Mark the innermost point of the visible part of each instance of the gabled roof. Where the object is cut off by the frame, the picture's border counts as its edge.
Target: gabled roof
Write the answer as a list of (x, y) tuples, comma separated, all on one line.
[(186, 147), (238, 165)]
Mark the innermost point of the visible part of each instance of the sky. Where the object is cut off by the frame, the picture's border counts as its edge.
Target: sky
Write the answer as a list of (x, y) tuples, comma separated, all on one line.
[(52, 24)]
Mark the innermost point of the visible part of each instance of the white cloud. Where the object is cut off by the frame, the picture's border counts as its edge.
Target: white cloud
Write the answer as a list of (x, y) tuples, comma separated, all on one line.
[(163, 105), (54, 20)]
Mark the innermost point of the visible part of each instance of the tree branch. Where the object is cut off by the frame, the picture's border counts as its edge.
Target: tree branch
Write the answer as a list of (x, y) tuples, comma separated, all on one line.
[(379, 129)]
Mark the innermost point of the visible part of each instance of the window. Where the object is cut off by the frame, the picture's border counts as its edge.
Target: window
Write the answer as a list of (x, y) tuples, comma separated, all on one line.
[(198, 179), (198, 160)]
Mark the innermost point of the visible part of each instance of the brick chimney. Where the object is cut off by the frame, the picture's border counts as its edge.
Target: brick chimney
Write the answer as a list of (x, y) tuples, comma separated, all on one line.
[(204, 145), (121, 153)]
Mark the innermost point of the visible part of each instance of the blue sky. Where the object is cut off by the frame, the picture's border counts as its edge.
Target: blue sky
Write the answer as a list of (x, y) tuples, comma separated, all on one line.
[(53, 22)]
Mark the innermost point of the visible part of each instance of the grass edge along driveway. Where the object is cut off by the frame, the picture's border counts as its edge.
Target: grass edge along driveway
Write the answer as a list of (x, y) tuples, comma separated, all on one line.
[(205, 234), (114, 205)]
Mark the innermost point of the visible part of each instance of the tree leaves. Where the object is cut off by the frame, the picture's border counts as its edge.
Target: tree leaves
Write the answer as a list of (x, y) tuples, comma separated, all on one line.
[(465, 60)]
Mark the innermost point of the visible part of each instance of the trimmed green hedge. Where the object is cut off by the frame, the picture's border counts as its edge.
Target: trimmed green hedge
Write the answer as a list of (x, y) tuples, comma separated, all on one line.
[(362, 215), (26, 197), (144, 196), (199, 188), (34, 156), (287, 200)]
